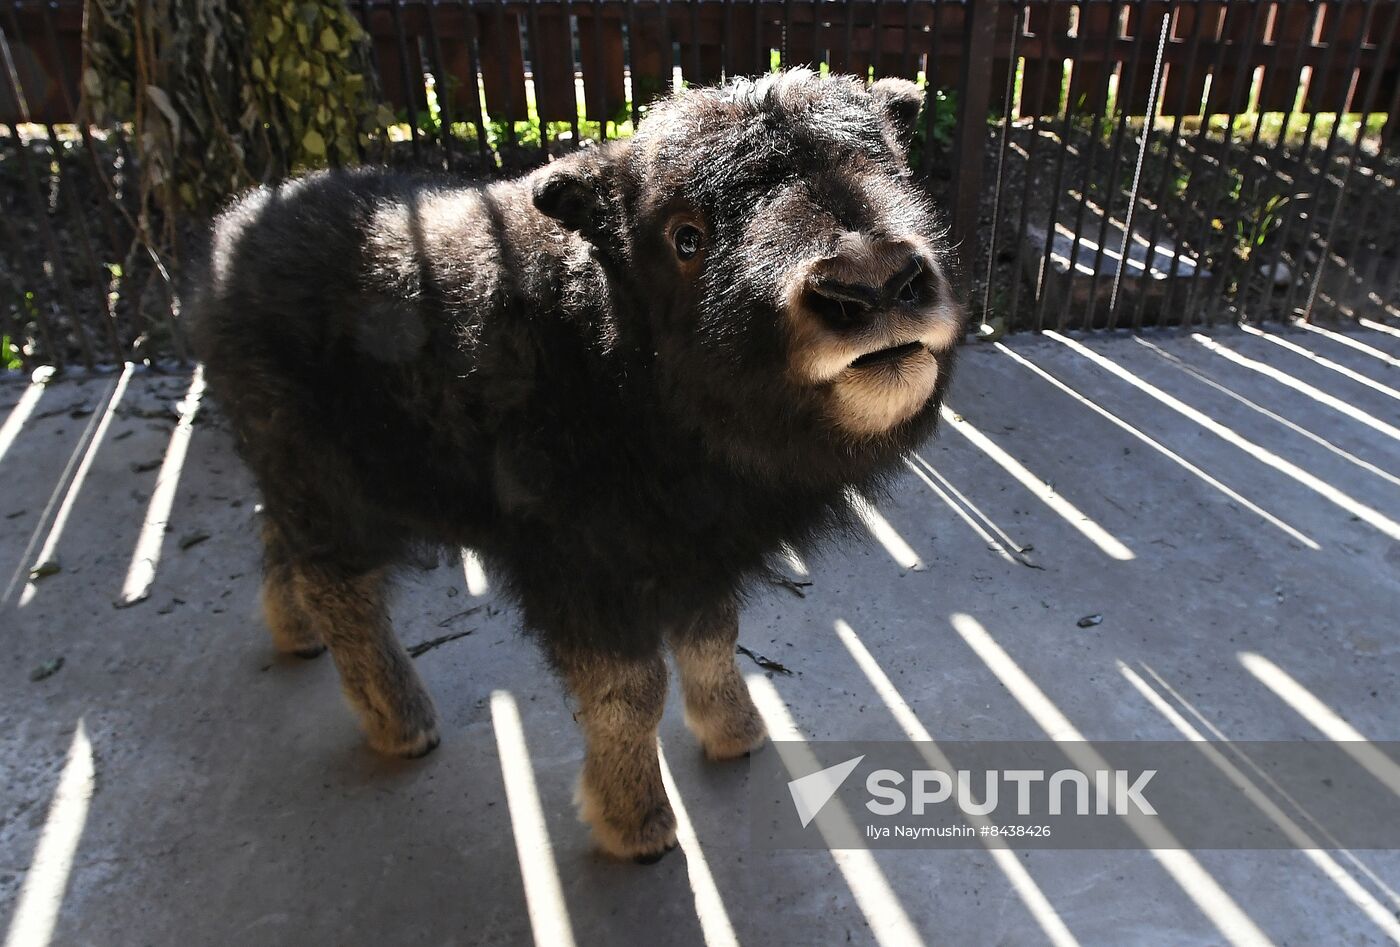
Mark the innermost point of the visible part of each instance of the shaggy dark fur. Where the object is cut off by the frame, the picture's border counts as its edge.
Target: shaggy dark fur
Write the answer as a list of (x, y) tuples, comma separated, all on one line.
[(541, 369)]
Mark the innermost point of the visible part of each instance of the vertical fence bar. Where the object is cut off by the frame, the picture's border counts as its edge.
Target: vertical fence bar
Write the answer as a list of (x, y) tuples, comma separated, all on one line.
[(1149, 120), (49, 11), (440, 85), (64, 196), (1044, 277), (1199, 146), (1367, 103), (396, 13), (1126, 74), (367, 18), (785, 52), (1091, 149), (1226, 154), (75, 194), (1353, 60), (1334, 28), (1021, 11), (1363, 227), (1168, 162), (475, 81), (935, 37), (1018, 277), (32, 275), (876, 39), (695, 70), (1273, 261), (906, 53), (536, 77), (507, 85), (979, 41)]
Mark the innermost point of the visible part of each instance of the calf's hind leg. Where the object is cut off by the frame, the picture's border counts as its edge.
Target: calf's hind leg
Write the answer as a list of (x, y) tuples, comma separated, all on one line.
[(620, 793), (349, 613), (283, 611), (718, 708)]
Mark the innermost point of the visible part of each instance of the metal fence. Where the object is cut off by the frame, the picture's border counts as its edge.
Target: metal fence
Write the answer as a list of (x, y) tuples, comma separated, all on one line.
[(1103, 163)]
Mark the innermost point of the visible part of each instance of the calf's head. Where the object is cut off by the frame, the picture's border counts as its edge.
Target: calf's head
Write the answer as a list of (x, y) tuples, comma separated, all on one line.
[(767, 243)]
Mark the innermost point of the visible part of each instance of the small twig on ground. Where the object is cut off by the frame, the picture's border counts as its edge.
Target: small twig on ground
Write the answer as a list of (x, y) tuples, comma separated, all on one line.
[(451, 618), (768, 664), (423, 647), (792, 585)]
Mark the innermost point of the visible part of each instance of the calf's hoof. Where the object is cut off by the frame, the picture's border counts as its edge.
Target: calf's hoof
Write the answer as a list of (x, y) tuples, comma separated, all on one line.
[(409, 746), (411, 735), (653, 858), (645, 843), (729, 732), (639, 833)]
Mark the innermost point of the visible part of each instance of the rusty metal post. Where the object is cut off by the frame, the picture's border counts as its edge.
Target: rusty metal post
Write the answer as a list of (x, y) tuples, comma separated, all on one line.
[(979, 41)]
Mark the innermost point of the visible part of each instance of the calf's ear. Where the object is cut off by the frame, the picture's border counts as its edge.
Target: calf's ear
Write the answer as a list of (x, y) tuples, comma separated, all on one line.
[(901, 101), (575, 191)]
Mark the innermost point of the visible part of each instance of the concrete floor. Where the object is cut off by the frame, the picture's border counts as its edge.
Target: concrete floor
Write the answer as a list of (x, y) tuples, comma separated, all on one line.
[(175, 782)]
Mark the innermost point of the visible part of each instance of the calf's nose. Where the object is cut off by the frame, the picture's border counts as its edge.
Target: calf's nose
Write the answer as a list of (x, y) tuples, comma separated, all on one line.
[(849, 290)]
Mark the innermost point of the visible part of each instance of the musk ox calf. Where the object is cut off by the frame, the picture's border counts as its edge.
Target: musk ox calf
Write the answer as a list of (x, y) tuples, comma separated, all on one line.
[(626, 379)]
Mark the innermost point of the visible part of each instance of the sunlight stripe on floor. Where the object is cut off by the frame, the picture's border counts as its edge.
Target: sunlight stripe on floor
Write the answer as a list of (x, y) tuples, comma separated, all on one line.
[(145, 558), (475, 574), (544, 896), (1306, 844), (19, 414), (1051, 924), (889, 924), (998, 546), (1350, 343), (1326, 363), (41, 894), (65, 493), (1107, 543), (1198, 885), (1361, 511), (1162, 449), (1379, 327), (1274, 416), (1265, 777), (1287, 380), (900, 551), (709, 906), (1324, 718)]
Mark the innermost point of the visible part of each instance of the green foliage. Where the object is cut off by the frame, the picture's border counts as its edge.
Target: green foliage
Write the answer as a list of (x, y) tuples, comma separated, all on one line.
[(233, 91), (302, 79), (9, 354), (1260, 219)]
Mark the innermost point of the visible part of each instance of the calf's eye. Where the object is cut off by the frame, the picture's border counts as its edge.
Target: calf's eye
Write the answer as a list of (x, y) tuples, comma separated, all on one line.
[(687, 239)]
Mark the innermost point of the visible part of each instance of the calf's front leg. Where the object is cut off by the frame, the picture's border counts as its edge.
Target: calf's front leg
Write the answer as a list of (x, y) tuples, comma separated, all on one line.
[(620, 793), (718, 708), (349, 613)]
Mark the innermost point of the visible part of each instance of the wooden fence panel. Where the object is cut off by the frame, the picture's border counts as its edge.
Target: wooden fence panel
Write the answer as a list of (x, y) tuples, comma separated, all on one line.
[(1293, 27), (502, 64), (709, 38), (1088, 87), (1043, 78), (602, 60), (652, 61), (1145, 28), (552, 63), (1244, 39)]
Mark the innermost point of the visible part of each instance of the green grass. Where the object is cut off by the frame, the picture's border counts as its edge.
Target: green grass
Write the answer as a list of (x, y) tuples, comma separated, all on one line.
[(9, 354)]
